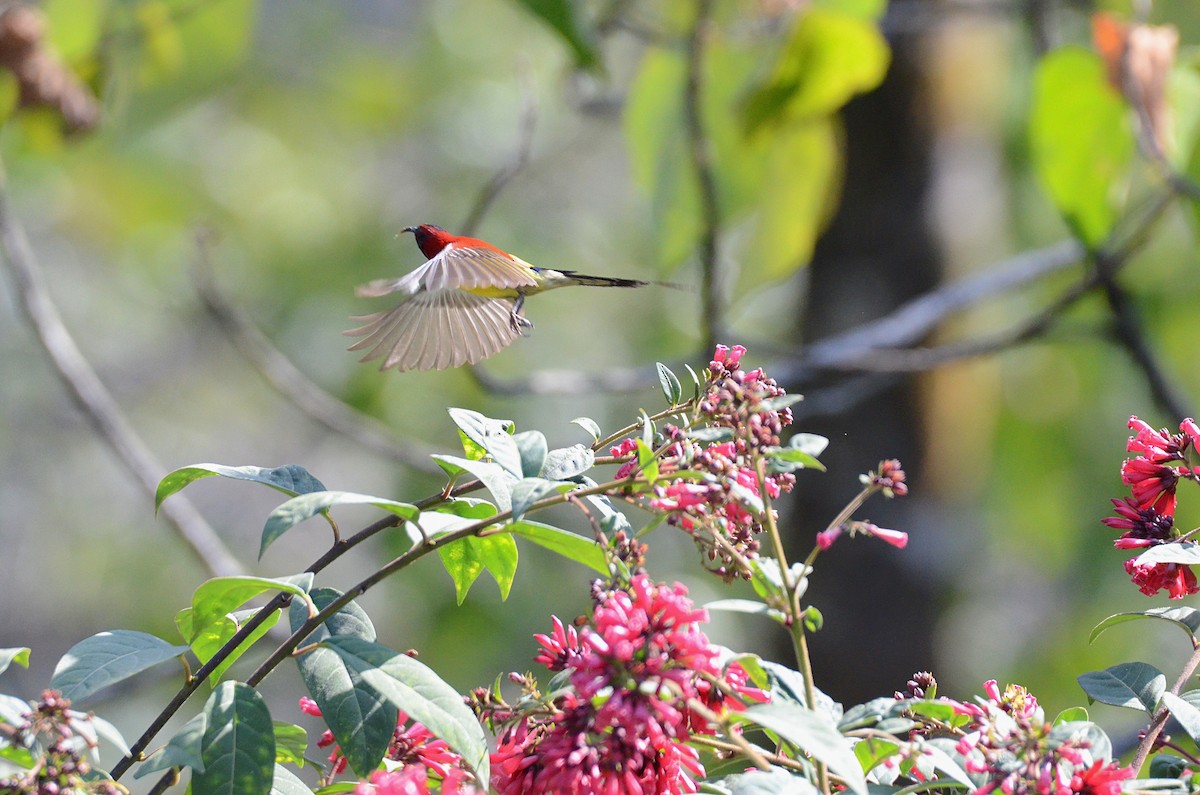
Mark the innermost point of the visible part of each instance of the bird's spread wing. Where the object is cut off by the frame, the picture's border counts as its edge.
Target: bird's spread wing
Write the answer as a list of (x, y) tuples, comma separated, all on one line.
[(474, 268), (438, 329), (457, 268)]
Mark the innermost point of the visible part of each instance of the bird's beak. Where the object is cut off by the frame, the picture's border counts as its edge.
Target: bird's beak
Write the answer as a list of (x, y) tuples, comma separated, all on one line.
[(412, 229)]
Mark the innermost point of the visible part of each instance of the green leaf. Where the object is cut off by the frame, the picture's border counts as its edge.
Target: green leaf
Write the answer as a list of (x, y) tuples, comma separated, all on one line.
[(647, 463), (411, 686), (1185, 712), (589, 425), (746, 606), (220, 596), (1082, 734), (671, 388), (492, 436), (213, 637), (182, 750), (1187, 552), (775, 781), (499, 482), (829, 57), (812, 732), (306, 506), (351, 620), (565, 18), (532, 447), (789, 459), (1081, 140), (565, 463), (1187, 618), (793, 212), (361, 720), (1136, 685), (239, 744), (107, 658), (571, 546), (15, 654), (466, 558), (1071, 715), (291, 741), (810, 443), (529, 490), (291, 479), (13, 709), (287, 783)]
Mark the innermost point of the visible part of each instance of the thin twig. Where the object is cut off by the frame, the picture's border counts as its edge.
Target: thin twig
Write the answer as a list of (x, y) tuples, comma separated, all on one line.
[(287, 379), (94, 399), (713, 297), (906, 325)]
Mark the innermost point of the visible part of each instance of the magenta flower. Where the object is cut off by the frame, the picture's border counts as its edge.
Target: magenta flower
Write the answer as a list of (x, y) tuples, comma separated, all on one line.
[(623, 723), (1152, 483), (1008, 743)]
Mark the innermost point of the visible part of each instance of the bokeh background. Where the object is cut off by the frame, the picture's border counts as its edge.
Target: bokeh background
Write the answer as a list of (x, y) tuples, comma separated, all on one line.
[(279, 148)]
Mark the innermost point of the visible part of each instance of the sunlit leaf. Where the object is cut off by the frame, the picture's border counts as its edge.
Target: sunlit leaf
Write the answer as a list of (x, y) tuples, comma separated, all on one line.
[(16, 654), (222, 595), (107, 658), (290, 479), (565, 463), (306, 506), (493, 436), (533, 449), (571, 546), (466, 558), (1081, 140), (828, 58)]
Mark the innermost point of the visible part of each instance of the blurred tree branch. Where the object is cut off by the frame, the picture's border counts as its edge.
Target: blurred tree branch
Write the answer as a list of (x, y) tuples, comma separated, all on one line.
[(712, 293), (94, 400), (287, 379)]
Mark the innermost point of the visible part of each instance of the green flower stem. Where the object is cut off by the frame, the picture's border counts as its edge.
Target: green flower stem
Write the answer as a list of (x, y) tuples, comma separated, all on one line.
[(628, 429), (741, 743), (795, 616)]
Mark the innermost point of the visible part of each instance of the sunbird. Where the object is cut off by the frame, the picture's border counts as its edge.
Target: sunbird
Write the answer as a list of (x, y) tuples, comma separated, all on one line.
[(460, 307)]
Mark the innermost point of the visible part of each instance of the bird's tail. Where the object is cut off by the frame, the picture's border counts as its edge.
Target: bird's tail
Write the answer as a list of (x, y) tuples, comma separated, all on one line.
[(612, 281)]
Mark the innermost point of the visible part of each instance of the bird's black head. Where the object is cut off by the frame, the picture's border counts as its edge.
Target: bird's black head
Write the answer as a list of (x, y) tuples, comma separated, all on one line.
[(430, 239)]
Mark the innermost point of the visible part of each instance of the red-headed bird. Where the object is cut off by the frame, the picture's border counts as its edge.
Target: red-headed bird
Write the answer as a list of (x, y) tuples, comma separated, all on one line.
[(460, 307)]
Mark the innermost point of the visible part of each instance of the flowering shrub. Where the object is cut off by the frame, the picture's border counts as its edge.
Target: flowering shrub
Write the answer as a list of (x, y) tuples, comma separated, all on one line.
[(638, 699), (1148, 517)]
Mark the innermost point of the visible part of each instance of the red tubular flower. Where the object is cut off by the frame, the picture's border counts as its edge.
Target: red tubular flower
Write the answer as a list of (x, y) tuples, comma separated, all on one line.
[(1157, 445), (1153, 484), (1101, 779), (1177, 579)]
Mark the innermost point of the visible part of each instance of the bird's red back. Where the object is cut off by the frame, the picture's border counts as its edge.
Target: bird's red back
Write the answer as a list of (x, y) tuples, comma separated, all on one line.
[(432, 239)]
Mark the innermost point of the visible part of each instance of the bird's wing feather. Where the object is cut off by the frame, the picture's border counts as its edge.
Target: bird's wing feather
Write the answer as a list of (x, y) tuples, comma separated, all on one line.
[(471, 268), (437, 330)]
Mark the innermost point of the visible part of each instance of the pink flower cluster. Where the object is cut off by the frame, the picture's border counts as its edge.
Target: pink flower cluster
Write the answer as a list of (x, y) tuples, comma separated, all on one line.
[(1008, 742), (722, 502), (1148, 516), (638, 670), (417, 754)]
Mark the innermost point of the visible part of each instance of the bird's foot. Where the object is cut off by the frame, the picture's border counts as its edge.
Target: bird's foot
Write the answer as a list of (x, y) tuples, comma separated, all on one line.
[(520, 323)]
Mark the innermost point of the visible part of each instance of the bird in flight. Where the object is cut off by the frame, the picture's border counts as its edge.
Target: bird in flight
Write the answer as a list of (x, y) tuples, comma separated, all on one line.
[(460, 307)]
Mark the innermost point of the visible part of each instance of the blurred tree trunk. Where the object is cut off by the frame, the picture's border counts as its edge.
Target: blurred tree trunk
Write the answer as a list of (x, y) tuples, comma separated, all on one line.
[(877, 254)]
